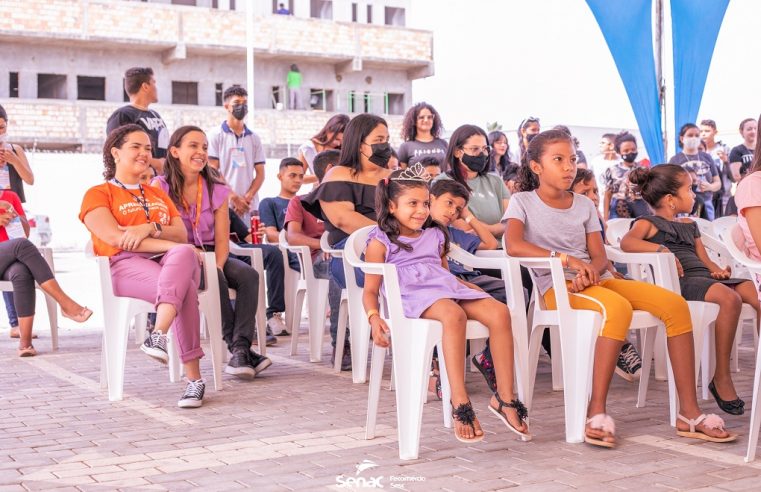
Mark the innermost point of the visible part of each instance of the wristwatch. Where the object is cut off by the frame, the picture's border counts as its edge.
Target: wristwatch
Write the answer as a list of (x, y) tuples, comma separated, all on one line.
[(156, 230)]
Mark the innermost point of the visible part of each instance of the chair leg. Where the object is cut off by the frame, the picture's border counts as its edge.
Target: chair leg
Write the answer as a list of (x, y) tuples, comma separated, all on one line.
[(175, 367), (376, 377), (318, 306), (343, 318), (659, 354), (707, 361), (648, 347), (556, 359), (214, 329), (755, 412), (535, 344), (115, 354), (52, 308), (577, 347), (360, 344), (477, 345), (296, 328), (446, 390)]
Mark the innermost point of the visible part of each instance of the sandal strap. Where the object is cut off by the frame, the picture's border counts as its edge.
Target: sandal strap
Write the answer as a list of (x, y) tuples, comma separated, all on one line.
[(697, 420), (464, 413), (515, 404)]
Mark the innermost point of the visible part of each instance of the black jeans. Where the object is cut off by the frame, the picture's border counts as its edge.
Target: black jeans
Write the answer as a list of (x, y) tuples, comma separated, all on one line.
[(238, 324), (275, 273), (22, 264)]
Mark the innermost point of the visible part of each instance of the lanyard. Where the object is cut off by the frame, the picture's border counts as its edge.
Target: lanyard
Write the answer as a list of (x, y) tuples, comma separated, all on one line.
[(199, 198), (143, 202)]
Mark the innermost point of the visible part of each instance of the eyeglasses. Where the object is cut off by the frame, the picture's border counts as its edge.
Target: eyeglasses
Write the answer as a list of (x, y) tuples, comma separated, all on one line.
[(425, 117), (477, 150), (530, 119)]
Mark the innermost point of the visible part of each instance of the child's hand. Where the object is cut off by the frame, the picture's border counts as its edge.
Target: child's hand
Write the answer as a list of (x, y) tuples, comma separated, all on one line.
[(679, 269), (380, 331), (584, 270), (722, 274)]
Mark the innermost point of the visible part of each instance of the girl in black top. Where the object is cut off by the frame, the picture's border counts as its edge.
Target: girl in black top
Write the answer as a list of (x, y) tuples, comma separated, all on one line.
[(668, 189)]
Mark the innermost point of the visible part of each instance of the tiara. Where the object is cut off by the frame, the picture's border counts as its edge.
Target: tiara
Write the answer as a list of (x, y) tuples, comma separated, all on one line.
[(415, 172)]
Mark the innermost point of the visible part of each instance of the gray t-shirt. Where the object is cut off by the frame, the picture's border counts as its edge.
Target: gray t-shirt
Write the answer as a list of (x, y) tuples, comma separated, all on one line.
[(703, 167), (556, 229), (486, 197), (411, 152)]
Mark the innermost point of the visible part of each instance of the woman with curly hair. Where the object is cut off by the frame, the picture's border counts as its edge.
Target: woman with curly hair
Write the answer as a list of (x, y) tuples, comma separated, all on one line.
[(421, 130)]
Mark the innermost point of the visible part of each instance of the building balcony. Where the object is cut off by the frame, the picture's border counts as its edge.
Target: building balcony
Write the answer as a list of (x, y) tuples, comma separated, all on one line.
[(81, 125), (179, 32)]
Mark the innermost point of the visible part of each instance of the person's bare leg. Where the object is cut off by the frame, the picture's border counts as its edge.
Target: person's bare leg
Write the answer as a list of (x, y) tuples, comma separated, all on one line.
[(68, 305), (453, 319), (25, 331), (193, 369), (681, 353), (495, 316), (606, 355), (730, 305), (165, 314)]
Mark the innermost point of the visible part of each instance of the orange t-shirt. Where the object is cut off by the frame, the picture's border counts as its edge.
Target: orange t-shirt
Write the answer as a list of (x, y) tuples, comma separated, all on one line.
[(126, 209)]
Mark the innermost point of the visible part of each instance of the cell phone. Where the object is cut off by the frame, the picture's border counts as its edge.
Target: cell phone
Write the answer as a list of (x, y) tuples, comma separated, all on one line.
[(156, 256)]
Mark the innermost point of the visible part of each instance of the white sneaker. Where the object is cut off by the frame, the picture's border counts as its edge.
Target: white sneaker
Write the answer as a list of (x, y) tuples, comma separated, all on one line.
[(277, 325)]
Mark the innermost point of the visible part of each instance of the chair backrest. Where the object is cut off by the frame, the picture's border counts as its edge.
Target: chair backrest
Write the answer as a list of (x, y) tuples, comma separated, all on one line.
[(325, 247), (722, 226), (733, 237), (355, 246), (720, 254), (616, 230), (705, 226), (303, 254)]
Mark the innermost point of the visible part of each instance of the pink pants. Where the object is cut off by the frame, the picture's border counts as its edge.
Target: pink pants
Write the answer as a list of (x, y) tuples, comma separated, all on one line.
[(174, 280)]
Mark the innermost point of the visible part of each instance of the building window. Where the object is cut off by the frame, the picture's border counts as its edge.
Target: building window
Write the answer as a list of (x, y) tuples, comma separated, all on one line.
[(51, 86), (321, 9), (394, 16), (321, 100), (354, 14), (287, 4), (218, 92), (184, 92), (369, 14), (13, 84), (91, 88), (394, 103), (192, 3), (277, 101)]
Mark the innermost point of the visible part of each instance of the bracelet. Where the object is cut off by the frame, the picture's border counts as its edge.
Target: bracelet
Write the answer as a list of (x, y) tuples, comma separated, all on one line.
[(660, 248), (372, 313), (469, 219)]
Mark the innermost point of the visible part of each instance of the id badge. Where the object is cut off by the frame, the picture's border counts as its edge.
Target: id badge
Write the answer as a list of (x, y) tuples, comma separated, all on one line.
[(238, 158)]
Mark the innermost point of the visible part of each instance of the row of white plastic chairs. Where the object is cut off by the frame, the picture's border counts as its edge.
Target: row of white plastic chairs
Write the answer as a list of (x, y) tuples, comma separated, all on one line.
[(573, 335)]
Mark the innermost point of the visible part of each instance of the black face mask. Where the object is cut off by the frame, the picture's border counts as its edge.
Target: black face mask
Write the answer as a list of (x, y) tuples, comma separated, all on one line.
[(239, 111), (381, 154), (530, 137), (630, 157), (476, 163)]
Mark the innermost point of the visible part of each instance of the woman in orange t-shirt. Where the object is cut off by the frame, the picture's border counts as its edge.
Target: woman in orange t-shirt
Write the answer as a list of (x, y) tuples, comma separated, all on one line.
[(139, 228)]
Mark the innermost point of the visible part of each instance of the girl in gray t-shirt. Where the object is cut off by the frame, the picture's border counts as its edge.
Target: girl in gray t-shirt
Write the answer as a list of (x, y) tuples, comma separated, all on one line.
[(546, 220)]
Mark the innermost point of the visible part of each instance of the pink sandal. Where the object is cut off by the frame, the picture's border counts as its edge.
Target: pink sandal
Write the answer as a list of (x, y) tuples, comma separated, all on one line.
[(27, 352), (710, 421), (81, 317), (605, 423)]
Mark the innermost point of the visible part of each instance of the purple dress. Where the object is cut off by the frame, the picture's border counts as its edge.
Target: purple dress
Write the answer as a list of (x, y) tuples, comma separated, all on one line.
[(422, 279)]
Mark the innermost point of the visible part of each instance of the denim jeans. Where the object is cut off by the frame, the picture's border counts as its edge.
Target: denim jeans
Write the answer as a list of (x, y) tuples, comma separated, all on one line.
[(10, 308), (337, 268)]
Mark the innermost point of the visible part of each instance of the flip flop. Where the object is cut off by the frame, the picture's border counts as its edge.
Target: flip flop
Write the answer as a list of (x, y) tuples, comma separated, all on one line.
[(605, 423), (519, 407), (81, 317), (27, 352), (710, 421), (465, 415)]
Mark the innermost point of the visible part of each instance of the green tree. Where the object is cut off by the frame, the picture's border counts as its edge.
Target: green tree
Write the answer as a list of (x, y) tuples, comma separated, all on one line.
[(493, 127)]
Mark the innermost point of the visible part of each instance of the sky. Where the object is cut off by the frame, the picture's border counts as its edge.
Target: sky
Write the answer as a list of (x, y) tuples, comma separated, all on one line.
[(505, 60)]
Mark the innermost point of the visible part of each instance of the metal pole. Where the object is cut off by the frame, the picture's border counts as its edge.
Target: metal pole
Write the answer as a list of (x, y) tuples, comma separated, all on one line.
[(250, 58), (659, 17)]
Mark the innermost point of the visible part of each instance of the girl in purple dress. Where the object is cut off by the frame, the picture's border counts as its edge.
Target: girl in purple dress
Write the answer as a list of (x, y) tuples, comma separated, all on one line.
[(408, 238)]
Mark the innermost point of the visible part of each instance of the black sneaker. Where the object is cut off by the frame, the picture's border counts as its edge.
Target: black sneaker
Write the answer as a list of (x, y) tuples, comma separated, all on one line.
[(270, 339), (193, 396), (629, 364), (155, 346), (345, 359), (258, 362), (240, 366)]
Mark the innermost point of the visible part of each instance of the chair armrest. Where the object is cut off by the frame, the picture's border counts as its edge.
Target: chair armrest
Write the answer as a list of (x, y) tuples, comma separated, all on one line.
[(509, 267), (491, 253), (558, 278), (663, 266)]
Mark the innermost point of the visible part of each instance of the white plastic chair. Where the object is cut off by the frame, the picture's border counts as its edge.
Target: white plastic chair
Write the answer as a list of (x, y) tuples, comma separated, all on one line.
[(316, 292), (50, 304), (358, 326), (257, 263), (412, 342), (733, 237), (723, 226), (343, 309), (616, 230), (118, 312), (705, 226)]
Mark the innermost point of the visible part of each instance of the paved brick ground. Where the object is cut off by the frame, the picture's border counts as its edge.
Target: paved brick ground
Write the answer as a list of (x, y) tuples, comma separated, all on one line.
[(299, 426)]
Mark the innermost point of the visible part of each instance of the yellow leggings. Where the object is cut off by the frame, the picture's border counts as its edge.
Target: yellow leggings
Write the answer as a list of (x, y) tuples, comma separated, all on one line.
[(621, 297)]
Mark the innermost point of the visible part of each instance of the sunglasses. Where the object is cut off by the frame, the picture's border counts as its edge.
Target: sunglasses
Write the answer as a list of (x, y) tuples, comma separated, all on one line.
[(530, 119)]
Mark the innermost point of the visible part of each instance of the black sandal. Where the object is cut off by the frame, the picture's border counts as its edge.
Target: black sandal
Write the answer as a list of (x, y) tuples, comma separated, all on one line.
[(435, 378), (519, 407), (465, 415), (732, 407)]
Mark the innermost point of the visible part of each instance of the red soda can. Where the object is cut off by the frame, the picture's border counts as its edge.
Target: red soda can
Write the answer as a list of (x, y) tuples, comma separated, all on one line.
[(255, 222)]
